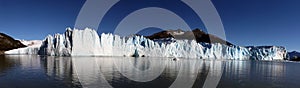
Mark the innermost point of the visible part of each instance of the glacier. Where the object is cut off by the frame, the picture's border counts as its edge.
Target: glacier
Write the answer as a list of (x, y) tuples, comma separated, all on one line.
[(33, 47), (87, 42)]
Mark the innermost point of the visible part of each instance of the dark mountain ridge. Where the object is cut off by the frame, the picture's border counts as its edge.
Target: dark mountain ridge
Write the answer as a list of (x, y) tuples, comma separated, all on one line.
[(294, 56), (197, 34)]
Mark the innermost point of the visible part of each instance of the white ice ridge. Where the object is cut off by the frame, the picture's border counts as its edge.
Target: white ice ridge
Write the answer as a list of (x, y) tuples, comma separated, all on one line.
[(88, 43)]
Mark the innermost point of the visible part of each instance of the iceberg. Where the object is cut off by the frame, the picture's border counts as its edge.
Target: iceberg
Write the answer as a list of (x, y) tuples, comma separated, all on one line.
[(87, 42)]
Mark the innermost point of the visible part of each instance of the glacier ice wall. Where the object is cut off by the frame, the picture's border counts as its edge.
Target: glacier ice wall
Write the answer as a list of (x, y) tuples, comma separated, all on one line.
[(88, 43), (57, 45), (267, 52)]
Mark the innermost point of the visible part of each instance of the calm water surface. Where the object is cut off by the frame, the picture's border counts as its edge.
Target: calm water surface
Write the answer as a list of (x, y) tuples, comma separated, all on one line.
[(25, 71)]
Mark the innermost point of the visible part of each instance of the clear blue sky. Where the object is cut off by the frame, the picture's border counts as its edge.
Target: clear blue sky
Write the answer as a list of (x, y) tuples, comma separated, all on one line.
[(246, 22)]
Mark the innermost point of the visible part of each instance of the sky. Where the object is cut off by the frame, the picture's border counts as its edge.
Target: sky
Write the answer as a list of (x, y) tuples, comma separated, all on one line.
[(246, 22)]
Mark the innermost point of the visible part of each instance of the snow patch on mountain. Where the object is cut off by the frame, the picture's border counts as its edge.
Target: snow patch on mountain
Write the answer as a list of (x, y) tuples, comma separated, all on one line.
[(31, 42)]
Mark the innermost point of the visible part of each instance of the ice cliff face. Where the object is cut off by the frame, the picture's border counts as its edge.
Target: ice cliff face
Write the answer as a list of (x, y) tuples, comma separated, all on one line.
[(268, 53), (88, 43), (57, 45)]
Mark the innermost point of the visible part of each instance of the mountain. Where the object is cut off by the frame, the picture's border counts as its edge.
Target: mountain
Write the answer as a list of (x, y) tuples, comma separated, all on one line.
[(8, 43), (294, 56), (197, 34), (87, 42)]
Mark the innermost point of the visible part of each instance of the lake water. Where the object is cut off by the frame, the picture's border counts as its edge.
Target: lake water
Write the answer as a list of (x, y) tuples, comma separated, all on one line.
[(25, 71)]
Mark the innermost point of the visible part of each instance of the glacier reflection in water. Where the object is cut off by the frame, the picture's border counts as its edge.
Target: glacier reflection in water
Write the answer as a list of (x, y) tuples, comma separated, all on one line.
[(120, 72), (146, 72)]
